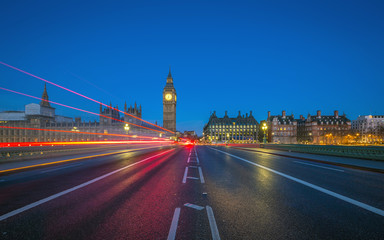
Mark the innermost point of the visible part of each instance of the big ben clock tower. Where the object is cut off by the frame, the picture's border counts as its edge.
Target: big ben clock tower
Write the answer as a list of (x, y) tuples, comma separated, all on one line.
[(169, 104)]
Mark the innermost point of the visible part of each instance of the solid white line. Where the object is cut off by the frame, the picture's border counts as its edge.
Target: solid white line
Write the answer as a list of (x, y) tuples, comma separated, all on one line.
[(56, 169), (175, 221), (44, 200), (197, 207), (201, 175), (212, 224), (320, 189), (193, 166), (188, 159), (185, 175), (334, 169)]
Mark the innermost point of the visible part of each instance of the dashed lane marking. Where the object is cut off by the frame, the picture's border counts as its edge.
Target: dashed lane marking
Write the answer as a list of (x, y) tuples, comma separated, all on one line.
[(195, 178), (212, 224), (175, 221), (201, 176), (185, 175), (197, 207)]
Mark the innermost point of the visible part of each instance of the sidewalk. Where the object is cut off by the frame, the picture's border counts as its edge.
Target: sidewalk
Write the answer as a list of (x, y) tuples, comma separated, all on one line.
[(362, 164)]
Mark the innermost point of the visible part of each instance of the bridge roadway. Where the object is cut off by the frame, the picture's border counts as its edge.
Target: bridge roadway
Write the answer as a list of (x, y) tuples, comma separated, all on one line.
[(181, 192)]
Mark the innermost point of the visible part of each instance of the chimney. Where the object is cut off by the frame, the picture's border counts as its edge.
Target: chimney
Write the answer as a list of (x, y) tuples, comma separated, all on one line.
[(301, 117), (283, 113), (226, 113), (250, 113), (336, 113), (214, 113), (318, 113), (239, 114), (269, 114), (246, 115)]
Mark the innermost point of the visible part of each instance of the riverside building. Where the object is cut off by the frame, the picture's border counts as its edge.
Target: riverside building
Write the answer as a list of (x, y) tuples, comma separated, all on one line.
[(240, 129)]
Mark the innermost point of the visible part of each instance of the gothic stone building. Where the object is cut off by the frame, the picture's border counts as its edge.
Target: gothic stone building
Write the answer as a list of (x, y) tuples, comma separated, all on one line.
[(169, 104), (241, 129), (60, 128)]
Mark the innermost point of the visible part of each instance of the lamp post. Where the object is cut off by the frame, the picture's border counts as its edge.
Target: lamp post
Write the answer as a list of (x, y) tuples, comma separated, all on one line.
[(264, 127), (126, 128)]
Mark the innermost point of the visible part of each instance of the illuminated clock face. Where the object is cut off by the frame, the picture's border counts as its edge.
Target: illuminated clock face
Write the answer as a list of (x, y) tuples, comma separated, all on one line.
[(168, 96)]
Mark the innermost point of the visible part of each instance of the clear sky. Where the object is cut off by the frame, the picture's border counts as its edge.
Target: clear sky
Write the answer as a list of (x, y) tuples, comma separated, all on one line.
[(298, 56)]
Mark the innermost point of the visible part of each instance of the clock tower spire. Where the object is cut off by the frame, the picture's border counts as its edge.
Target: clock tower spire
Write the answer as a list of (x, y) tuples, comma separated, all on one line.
[(169, 104)]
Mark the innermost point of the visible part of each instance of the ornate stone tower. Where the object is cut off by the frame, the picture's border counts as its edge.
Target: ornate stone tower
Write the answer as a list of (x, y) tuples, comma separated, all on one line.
[(169, 104)]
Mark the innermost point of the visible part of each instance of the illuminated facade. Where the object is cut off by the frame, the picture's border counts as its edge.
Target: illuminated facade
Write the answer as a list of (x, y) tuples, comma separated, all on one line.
[(319, 129), (169, 104), (42, 116), (370, 128), (241, 129), (282, 128)]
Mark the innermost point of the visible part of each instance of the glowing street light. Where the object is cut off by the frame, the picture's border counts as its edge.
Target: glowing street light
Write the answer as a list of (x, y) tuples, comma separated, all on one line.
[(126, 128), (264, 127)]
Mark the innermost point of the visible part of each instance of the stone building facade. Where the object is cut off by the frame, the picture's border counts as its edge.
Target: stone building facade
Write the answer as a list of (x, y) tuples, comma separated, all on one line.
[(169, 104), (282, 128), (39, 123), (370, 128), (240, 129), (319, 129)]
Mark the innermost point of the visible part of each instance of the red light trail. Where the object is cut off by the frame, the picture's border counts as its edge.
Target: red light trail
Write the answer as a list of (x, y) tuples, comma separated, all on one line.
[(81, 95), (78, 109), (34, 144), (90, 133)]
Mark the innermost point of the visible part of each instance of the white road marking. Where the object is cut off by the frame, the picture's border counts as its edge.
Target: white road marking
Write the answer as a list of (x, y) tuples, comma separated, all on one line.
[(320, 189), (212, 224), (193, 166), (185, 175), (334, 169), (201, 175), (197, 158), (197, 207), (56, 169), (195, 178), (189, 158), (44, 200), (175, 221)]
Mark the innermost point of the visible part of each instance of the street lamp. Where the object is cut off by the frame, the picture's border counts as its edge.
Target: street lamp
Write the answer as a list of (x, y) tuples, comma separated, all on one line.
[(126, 128), (264, 127)]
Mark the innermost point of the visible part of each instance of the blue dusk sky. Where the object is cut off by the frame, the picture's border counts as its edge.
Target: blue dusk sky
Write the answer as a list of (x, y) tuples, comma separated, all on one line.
[(298, 56)]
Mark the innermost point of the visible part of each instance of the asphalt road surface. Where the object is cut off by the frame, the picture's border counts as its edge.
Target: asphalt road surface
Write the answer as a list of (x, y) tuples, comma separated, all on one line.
[(191, 192)]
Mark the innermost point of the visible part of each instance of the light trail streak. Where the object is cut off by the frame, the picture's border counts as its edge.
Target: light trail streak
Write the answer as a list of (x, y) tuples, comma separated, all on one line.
[(78, 109), (65, 131), (81, 95), (40, 144), (72, 159)]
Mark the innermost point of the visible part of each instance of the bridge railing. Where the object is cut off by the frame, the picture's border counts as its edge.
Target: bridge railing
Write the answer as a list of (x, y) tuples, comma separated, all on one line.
[(364, 152)]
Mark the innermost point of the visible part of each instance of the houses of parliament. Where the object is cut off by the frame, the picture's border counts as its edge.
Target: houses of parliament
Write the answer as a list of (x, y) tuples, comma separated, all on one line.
[(39, 123)]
